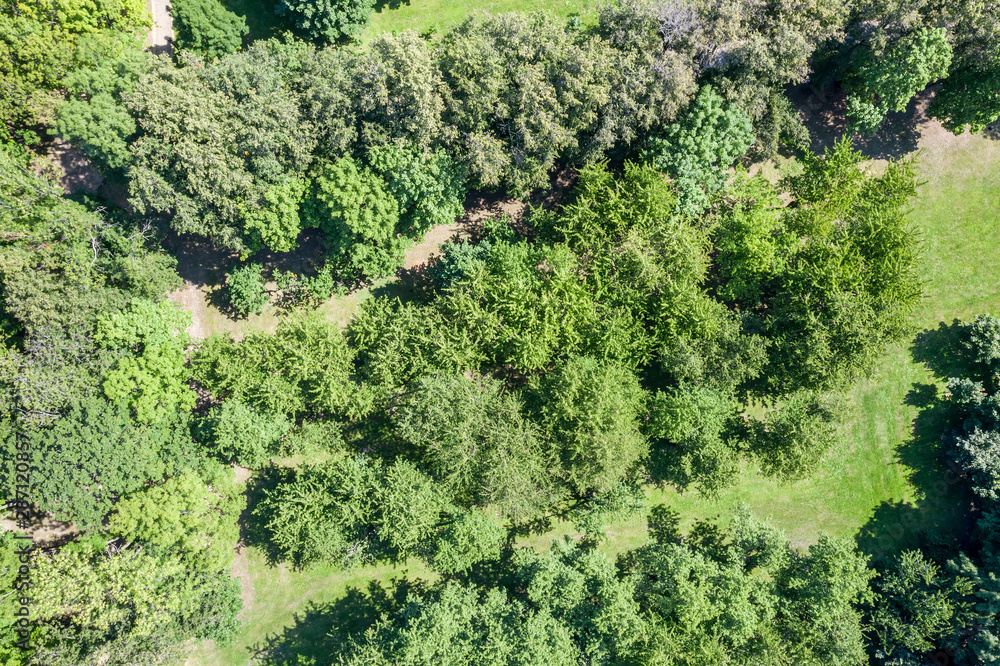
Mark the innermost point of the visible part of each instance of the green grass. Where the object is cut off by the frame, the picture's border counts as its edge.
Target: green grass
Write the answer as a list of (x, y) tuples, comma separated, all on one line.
[(394, 16), (883, 480), (302, 607), (439, 15)]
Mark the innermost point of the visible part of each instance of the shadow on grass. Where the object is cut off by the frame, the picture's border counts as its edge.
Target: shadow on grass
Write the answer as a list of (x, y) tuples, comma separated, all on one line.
[(321, 635), (938, 520), (944, 350), (253, 526), (824, 115)]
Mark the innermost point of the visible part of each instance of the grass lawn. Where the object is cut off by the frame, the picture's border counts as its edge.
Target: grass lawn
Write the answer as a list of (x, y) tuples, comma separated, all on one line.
[(423, 15), (883, 479), (395, 16)]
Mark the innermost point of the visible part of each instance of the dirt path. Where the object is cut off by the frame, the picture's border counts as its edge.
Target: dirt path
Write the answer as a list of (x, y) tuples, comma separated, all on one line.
[(161, 36)]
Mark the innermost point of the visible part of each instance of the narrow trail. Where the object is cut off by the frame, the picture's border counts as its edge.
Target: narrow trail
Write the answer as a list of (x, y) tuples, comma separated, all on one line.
[(161, 36)]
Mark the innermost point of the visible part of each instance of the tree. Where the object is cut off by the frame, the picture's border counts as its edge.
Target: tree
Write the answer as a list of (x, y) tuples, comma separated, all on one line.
[(359, 217), (469, 538), (237, 432), (126, 608), (216, 139), (305, 366), (912, 608), (410, 506), (397, 97), (327, 20), (42, 42), (698, 149), (95, 117), (521, 88), (790, 441), (152, 378), (580, 589), (707, 611), (207, 28), (689, 424), (184, 518), (589, 411), (848, 278), (398, 343), (887, 81), (94, 455), (246, 290), (352, 513), (323, 513), (652, 79), (472, 437), (455, 625), (821, 591), (527, 307), (429, 187)]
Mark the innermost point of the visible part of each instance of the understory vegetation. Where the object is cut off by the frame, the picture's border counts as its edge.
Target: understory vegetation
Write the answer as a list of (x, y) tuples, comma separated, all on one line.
[(666, 323)]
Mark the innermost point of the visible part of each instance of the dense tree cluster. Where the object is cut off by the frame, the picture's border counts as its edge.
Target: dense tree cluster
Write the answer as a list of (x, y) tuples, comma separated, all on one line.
[(671, 320)]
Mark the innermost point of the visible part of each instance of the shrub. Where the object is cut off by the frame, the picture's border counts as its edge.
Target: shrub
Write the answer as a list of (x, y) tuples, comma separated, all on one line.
[(245, 287)]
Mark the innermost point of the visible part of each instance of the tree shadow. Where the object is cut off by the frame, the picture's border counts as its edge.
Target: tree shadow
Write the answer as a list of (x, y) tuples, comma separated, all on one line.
[(253, 523), (414, 284), (390, 4), (322, 634), (992, 131), (938, 520), (945, 351), (824, 115)]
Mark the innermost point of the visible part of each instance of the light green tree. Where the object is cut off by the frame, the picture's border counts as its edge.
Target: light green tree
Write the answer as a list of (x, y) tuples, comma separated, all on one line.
[(887, 81), (184, 518)]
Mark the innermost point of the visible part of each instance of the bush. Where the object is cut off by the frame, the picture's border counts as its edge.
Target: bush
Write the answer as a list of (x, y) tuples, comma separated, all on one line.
[(245, 286), (207, 28), (327, 20)]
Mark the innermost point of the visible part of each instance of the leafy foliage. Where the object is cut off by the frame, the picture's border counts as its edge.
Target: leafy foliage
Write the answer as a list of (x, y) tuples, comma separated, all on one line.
[(207, 28), (429, 187), (152, 378), (185, 518), (246, 291), (352, 206), (698, 149), (327, 20), (887, 81), (94, 455)]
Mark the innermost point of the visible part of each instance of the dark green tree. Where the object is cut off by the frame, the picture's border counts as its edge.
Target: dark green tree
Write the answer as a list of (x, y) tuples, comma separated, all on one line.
[(326, 21), (207, 28), (589, 410)]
